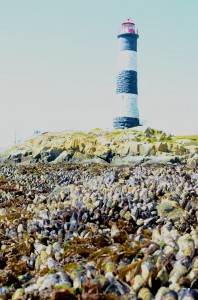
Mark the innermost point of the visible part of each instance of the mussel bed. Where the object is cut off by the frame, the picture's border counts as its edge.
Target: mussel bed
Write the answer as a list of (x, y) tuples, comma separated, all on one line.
[(98, 232)]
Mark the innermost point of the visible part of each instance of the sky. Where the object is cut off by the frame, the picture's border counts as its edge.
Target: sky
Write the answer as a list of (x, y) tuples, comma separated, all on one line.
[(58, 64)]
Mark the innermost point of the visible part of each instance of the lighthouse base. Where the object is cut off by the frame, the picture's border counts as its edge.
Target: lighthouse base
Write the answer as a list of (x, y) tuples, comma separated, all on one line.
[(125, 122)]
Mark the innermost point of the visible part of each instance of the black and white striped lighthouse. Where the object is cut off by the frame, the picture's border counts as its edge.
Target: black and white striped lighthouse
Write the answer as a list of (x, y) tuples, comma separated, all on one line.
[(126, 109)]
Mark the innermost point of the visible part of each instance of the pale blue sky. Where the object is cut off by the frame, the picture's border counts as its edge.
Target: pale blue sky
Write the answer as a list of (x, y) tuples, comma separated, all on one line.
[(58, 64)]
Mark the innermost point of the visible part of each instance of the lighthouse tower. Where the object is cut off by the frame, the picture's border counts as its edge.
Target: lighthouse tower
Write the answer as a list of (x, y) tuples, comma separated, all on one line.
[(126, 109)]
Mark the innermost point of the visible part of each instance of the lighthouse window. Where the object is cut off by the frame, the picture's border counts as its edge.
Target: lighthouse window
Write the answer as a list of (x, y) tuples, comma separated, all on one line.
[(128, 28)]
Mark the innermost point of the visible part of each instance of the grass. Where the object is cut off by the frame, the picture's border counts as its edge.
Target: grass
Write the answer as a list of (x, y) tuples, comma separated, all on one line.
[(80, 134), (97, 129), (117, 132), (187, 137)]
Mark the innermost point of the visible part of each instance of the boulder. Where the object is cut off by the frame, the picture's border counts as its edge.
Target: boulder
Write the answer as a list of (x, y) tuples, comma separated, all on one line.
[(192, 149), (95, 160), (147, 149), (170, 209), (132, 160), (162, 159), (65, 156), (51, 154), (20, 153), (193, 161), (162, 137), (122, 150), (89, 149), (135, 148), (86, 159), (80, 157), (74, 145), (162, 147), (177, 149), (106, 155), (15, 156), (149, 131), (60, 192)]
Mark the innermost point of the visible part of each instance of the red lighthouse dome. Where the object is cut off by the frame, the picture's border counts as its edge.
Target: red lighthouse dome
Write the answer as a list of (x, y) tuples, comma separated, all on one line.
[(128, 27)]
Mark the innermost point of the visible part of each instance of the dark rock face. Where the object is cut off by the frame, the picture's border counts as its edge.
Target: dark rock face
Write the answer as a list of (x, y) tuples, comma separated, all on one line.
[(128, 41), (53, 154), (48, 156), (107, 156), (127, 82), (125, 122), (65, 156)]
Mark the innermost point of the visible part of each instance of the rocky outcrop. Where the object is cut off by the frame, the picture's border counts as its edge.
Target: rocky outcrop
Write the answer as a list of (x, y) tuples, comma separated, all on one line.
[(170, 210), (193, 161), (125, 146)]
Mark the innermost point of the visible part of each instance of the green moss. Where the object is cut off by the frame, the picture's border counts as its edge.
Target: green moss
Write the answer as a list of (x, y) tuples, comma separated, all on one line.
[(117, 132), (135, 130), (168, 141), (70, 289), (153, 140), (162, 244), (52, 271), (62, 286), (66, 244), (92, 138), (188, 137), (97, 129), (80, 134)]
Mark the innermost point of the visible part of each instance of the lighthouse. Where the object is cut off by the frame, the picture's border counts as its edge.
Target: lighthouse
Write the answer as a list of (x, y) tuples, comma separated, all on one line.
[(126, 109)]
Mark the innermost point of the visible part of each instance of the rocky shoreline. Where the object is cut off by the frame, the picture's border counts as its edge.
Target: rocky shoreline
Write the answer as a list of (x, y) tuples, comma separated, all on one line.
[(116, 147), (98, 231)]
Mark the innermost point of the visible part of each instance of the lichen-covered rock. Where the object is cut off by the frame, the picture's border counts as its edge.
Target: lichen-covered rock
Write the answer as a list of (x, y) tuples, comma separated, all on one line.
[(162, 147), (193, 161), (149, 131), (133, 160), (170, 209), (74, 147), (147, 149), (162, 159), (65, 156)]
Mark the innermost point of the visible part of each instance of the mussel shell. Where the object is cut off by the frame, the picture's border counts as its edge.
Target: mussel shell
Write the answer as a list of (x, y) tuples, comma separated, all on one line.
[(118, 287), (185, 261), (187, 294), (162, 290), (145, 294), (170, 295)]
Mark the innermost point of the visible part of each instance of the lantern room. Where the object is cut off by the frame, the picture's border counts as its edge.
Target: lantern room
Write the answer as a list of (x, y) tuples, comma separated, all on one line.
[(128, 27)]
